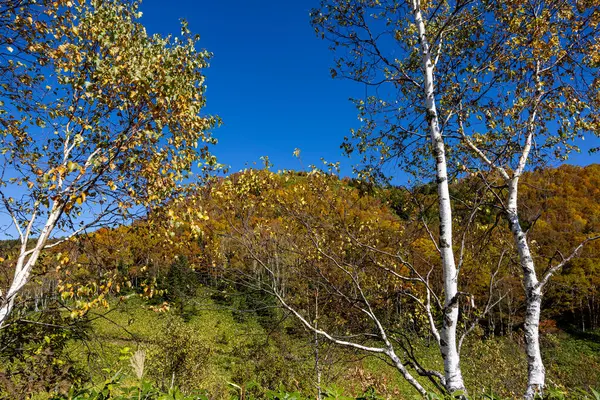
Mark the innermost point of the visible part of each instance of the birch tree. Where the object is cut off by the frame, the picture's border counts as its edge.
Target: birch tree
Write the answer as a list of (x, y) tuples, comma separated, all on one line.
[(511, 83), (402, 52), (99, 121), (303, 237), (290, 235), (538, 93)]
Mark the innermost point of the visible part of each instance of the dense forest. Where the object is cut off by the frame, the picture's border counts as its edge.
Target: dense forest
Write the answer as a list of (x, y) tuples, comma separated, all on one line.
[(199, 301), (134, 265)]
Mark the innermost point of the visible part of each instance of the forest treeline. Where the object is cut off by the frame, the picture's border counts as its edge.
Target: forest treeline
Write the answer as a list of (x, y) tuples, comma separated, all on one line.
[(110, 189), (294, 236), (560, 210)]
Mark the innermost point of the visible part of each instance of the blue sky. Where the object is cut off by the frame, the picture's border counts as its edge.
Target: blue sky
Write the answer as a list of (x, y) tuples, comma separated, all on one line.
[(269, 79)]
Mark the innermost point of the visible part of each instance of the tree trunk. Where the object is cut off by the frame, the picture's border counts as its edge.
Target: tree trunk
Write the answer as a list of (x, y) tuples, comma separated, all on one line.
[(535, 365), (26, 262), (448, 344), (533, 297), (5, 312), (316, 344)]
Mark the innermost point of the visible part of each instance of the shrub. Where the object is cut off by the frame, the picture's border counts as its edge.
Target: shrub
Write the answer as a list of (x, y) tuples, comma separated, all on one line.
[(178, 356), (33, 358)]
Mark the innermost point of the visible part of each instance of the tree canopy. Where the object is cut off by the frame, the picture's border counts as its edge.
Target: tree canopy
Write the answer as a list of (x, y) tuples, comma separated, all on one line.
[(99, 120)]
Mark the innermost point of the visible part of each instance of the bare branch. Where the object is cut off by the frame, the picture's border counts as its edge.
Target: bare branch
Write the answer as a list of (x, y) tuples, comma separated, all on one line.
[(489, 305), (564, 262)]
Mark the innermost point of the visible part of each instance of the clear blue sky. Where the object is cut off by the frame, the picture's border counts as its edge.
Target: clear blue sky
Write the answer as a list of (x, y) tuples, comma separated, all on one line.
[(269, 79)]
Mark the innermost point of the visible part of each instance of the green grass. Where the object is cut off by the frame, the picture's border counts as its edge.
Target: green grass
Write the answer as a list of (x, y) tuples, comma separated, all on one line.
[(215, 349), (132, 325)]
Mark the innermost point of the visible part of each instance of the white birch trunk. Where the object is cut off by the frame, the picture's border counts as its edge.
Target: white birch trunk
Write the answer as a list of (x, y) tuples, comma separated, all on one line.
[(398, 363), (26, 262), (448, 340), (317, 360), (533, 297)]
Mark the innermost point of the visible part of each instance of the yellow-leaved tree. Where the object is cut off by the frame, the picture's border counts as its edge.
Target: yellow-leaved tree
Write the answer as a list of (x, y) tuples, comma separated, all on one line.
[(99, 121)]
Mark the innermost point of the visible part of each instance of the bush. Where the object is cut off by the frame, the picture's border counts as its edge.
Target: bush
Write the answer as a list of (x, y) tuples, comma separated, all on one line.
[(34, 359), (118, 388), (178, 356)]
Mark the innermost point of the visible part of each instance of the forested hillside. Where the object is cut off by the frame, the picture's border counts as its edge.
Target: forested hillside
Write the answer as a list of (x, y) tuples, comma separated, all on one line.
[(199, 296), (454, 254)]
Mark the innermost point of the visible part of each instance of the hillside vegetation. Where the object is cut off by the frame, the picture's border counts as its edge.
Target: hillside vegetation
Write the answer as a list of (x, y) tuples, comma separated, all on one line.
[(197, 296), (141, 267)]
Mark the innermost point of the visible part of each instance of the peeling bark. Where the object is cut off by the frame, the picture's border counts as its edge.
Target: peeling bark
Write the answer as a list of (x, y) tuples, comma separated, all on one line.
[(448, 341), (533, 297), (26, 262)]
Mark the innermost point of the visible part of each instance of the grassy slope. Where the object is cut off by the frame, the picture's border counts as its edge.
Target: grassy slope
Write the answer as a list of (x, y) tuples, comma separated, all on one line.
[(215, 348)]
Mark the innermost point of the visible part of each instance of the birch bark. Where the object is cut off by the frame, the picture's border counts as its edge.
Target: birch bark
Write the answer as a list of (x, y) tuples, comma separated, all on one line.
[(26, 262), (448, 341), (533, 295)]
